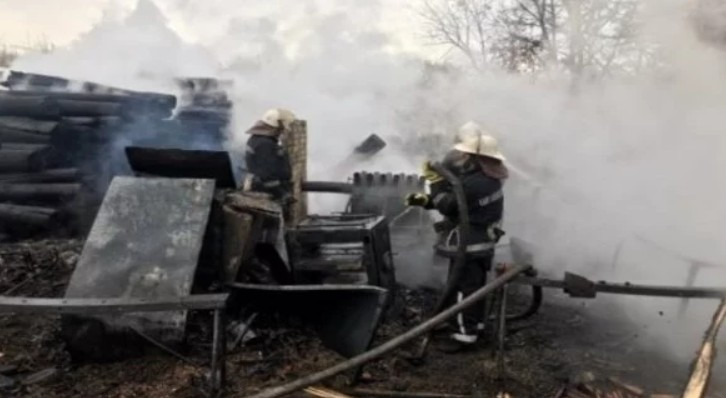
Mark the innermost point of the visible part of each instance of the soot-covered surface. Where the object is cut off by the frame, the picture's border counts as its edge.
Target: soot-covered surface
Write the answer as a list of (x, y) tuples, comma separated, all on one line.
[(563, 343)]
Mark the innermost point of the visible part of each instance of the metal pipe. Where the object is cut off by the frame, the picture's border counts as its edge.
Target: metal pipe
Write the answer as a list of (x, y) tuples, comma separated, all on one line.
[(219, 347), (629, 289), (460, 259), (396, 341), (327, 186), (501, 334)]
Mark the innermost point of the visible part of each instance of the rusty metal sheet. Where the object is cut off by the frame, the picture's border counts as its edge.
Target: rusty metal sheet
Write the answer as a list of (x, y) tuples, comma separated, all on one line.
[(345, 316), (145, 243)]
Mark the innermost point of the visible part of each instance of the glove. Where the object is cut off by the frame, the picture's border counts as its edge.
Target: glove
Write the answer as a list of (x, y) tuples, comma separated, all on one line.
[(418, 199), (431, 175)]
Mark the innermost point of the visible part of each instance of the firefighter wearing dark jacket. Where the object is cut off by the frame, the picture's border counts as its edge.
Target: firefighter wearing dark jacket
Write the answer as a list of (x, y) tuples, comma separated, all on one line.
[(268, 166), (477, 162)]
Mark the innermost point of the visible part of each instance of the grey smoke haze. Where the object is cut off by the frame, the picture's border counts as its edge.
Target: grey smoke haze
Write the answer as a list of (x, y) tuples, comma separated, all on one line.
[(617, 163)]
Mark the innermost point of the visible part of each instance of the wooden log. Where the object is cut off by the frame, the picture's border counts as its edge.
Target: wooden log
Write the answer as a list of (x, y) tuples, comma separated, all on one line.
[(30, 107), (39, 192), (74, 108), (51, 175), (127, 97), (12, 161), (28, 124), (15, 146), (28, 215), (362, 392), (295, 145), (90, 121), (19, 136), (322, 392), (703, 364)]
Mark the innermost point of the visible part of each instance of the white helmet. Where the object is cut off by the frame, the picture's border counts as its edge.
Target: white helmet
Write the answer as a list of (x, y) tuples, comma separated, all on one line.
[(278, 117), (468, 129), (481, 145)]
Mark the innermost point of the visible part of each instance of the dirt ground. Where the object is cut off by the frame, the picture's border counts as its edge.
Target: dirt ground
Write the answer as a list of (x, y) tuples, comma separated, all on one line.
[(564, 343)]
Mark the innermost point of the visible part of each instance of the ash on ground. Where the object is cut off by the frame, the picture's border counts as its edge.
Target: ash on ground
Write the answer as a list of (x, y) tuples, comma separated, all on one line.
[(562, 344)]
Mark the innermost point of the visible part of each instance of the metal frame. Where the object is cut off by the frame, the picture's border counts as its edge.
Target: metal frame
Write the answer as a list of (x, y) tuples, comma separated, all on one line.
[(625, 288), (371, 231), (85, 306)]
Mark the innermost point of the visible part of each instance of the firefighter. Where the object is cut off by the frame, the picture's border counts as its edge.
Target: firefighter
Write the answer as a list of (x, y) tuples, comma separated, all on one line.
[(268, 166), (437, 184), (477, 162)]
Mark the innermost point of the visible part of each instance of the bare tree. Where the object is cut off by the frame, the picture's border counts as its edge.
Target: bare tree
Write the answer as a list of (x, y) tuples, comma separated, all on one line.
[(462, 24), (584, 37)]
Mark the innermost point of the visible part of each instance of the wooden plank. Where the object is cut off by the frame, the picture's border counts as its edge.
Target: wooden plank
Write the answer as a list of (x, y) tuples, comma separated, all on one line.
[(8, 134), (23, 192), (50, 175), (28, 215), (703, 364), (295, 144)]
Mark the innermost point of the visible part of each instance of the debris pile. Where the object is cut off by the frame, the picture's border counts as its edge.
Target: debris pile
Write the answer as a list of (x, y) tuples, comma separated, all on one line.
[(540, 360), (62, 141)]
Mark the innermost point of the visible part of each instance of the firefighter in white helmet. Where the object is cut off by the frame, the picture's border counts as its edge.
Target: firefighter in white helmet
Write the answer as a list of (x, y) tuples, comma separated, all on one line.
[(477, 162), (268, 166)]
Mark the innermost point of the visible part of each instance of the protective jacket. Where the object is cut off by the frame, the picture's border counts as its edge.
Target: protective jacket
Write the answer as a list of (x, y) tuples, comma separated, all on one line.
[(269, 165), (485, 203)]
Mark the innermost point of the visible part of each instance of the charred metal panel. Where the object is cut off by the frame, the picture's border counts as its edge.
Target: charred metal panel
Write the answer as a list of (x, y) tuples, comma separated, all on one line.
[(378, 193), (309, 240), (145, 243), (345, 316), (180, 163)]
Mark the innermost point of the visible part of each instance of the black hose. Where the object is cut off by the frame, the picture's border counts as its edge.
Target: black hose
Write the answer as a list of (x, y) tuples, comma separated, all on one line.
[(533, 308), (460, 259), (396, 342)]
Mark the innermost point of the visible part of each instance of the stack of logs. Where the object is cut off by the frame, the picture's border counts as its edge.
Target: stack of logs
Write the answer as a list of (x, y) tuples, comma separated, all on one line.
[(54, 147)]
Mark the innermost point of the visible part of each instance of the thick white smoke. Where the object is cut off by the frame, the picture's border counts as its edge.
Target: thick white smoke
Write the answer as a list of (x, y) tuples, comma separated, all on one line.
[(625, 171)]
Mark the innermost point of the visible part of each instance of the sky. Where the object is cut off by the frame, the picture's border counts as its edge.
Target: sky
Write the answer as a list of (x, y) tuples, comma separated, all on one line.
[(26, 23)]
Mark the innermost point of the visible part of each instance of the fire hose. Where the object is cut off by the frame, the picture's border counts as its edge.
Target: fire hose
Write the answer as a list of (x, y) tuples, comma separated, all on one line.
[(347, 188), (396, 342), (460, 259)]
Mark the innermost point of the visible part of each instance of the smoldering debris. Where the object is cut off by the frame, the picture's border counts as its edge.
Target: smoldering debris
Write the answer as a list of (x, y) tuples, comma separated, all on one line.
[(61, 141), (566, 344)]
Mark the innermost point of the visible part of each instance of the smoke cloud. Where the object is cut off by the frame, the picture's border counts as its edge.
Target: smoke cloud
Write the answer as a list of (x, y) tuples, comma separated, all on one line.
[(623, 173)]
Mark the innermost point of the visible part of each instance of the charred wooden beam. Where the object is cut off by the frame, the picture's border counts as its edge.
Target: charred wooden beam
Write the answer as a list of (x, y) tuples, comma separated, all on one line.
[(17, 79), (28, 215), (362, 392), (15, 146), (40, 192), (73, 108), (28, 124), (90, 121), (19, 136), (370, 146), (124, 97), (703, 364), (13, 160), (51, 175), (30, 107)]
